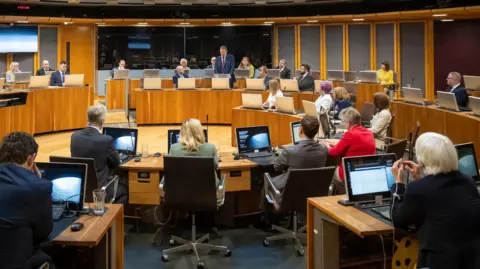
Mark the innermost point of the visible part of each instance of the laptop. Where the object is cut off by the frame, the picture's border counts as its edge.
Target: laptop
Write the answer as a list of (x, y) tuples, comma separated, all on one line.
[(151, 73), (186, 84), (298, 73), (152, 83), (121, 74), (242, 73), (414, 96), (310, 108), (73, 80), (350, 76), (174, 135), (447, 100), (124, 141), (286, 105), (294, 127), (472, 82), (318, 84), (220, 84), (255, 84), (467, 161), (474, 104), (221, 76), (335, 75), (274, 73), (368, 76), (252, 101), (22, 77), (68, 186), (209, 73), (253, 142), (39, 82), (289, 85)]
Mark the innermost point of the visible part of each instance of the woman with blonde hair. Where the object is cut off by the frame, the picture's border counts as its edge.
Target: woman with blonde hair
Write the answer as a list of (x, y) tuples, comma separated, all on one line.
[(274, 88), (10, 75), (246, 65), (341, 100)]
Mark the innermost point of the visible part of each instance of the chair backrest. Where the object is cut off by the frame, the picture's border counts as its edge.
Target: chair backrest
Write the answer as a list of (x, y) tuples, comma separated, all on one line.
[(398, 148), (190, 183), (367, 111), (390, 129), (302, 184)]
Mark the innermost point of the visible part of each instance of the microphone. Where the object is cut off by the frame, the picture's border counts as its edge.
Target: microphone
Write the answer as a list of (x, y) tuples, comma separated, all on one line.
[(364, 66), (131, 138), (413, 79)]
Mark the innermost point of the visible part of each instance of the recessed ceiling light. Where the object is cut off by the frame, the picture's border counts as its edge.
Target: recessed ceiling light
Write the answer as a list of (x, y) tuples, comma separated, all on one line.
[(359, 19), (67, 22), (142, 23), (269, 22), (439, 15), (226, 23), (22, 21), (312, 21), (184, 23), (447, 20)]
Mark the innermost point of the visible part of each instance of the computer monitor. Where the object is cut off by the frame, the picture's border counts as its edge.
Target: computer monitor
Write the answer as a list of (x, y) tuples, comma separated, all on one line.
[(294, 127), (174, 135), (151, 73), (250, 139), (335, 75), (68, 180), (368, 176), (467, 160), (124, 139)]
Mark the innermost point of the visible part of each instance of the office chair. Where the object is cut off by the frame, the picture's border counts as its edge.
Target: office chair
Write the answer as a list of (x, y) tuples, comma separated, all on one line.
[(192, 190), (367, 112), (399, 148), (300, 185)]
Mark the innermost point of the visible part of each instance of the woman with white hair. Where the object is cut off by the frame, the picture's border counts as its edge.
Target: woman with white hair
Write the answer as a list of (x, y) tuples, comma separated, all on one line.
[(10, 75), (442, 203), (184, 63)]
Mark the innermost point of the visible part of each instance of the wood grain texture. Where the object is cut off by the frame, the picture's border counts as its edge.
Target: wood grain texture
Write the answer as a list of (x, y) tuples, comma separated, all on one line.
[(134, 84), (17, 118), (365, 92), (116, 93)]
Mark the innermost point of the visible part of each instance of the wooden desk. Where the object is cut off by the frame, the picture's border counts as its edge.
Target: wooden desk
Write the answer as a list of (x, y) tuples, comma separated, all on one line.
[(135, 83), (17, 118), (116, 93), (278, 124), (324, 216), (365, 92), (108, 226)]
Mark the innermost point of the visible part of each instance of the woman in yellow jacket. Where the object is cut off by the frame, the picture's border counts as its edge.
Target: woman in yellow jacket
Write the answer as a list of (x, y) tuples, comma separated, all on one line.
[(385, 76), (245, 64)]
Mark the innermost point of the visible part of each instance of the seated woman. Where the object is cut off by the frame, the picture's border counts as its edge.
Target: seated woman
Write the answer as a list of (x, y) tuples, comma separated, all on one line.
[(441, 203), (325, 99), (10, 75), (245, 64), (385, 76), (381, 120), (341, 100), (184, 64), (275, 91), (263, 75)]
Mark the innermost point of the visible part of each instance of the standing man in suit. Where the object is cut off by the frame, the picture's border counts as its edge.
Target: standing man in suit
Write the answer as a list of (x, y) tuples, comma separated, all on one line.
[(91, 143), (225, 64), (179, 74), (453, 81), (212, 61), (45, 68), (305, 81), (285, 73), (58, 77)]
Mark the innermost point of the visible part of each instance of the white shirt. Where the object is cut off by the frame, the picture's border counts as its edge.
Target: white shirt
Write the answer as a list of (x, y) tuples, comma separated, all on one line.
[(453, 87), (94, 127), (379, 123), (324, 101), (272, 99)]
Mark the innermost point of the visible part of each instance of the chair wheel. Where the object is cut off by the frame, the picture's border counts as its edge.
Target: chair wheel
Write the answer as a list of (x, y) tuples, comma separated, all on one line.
[(228, 253), (266, 243), (164, 258), (200, 265), (171, 242), (300, 252)]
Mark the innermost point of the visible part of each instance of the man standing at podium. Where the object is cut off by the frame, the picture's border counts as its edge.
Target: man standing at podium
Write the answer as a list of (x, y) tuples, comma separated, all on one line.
[(225, 64), (45, 68)]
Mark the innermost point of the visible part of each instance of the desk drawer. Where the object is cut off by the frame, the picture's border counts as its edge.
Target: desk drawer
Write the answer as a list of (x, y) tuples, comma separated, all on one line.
[(148, 198), (237, 180), (144, 181)]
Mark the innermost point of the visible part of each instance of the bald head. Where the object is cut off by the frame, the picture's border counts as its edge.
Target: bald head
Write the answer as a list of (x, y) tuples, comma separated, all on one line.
[(45, 65), (179, 69)]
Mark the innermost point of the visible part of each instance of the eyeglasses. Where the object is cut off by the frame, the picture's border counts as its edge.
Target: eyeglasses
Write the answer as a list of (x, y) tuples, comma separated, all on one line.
[(449, 78)]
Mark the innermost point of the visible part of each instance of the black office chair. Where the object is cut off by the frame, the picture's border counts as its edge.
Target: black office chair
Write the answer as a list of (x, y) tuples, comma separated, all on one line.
[(301, 184), (192, 190), (399, 148), (367, 112)]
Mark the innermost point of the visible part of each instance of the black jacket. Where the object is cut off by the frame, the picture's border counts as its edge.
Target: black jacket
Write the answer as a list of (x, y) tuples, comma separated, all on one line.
[(306, 83), (285, 74), (56, 78), (41, 71), (89, 143), (25, 217), (446, 210), (461, 95)]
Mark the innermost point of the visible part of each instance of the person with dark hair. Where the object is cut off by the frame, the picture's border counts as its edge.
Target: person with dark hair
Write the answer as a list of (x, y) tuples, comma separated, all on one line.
[(225, 64), (263, 75), (285, 73), (26, 199), (58, 77), (385, 76), (305, 81), (381, 120)]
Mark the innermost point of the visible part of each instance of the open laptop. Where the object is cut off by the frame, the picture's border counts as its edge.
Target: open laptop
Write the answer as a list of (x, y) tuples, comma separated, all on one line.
[(152, 83), (474, 104), (73, 80), (174, 135), (68, 185), (274, 73), (467, 161), (318, 84), (286, 105), (289, 85), (22, 77), (253, 142), (121, 74), (294, 127), (151, 73), (414, 96), (350, 76), (242, 73), (252, 100), (472, 82), (186, 84), (39, 82), (124, 141), (335, 75), (220, 84), (255, 84), (447, 100), (368, 76), (351, 87), (309, 108)]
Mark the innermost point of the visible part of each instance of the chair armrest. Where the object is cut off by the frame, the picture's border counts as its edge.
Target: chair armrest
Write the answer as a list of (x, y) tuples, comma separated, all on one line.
[(269, 187), (114, 181), (222, 187)]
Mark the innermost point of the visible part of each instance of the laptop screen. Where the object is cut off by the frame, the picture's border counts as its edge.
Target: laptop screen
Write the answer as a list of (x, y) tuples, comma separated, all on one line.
[(124, 139), (250, 139), (174, 135), (467, 160), (369, 176), (295, 126)]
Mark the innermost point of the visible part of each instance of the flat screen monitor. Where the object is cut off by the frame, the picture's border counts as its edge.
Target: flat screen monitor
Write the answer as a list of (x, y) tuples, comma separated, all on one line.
[(124, 139), (174, 135), (467, 160), (18, 39), (295, 126), (250, 139)]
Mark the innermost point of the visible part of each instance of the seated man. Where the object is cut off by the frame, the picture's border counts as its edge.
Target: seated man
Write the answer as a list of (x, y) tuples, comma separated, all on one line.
[(45, 69), (179, 74), (357, 141), (58, 77), (26, 199), (453, 81), (91, 143), (305, 81)]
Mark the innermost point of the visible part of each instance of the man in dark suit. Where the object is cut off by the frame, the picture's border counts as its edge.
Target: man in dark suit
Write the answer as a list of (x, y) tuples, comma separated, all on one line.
[(453, 81), (305, 81), (45, 68), (212, 61), (121, 66), (26, 199), (180, 73), (91, 143), (225, 64), (285, 73), (58, 77)]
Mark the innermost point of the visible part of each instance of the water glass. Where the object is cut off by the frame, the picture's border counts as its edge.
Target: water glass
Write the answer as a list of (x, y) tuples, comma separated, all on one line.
[(144, 150), (99, 202)]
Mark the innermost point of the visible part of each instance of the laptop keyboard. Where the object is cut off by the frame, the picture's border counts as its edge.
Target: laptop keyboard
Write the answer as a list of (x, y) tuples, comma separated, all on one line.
[(258, 154), (57, 211)]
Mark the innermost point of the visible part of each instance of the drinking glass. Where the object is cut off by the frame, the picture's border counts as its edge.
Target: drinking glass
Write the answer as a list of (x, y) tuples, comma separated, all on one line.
[(99, 202), (144, 150)]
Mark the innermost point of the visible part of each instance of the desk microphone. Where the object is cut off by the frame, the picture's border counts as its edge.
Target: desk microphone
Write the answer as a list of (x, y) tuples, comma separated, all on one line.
[(364, 66), (413, 79), (207, 124)]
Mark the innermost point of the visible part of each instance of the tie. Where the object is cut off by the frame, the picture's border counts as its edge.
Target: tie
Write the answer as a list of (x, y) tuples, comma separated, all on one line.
[(63, 77), (223, 64)]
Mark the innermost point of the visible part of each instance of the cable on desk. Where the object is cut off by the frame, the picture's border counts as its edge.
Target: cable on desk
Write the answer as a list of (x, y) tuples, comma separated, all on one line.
[(384, 253)]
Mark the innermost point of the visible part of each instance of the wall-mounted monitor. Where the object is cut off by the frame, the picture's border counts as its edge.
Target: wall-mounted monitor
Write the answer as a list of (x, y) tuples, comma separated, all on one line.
[(18, 39)]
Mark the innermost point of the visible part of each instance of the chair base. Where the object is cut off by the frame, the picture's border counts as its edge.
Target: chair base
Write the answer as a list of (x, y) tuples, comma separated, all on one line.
[(289, 234)]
